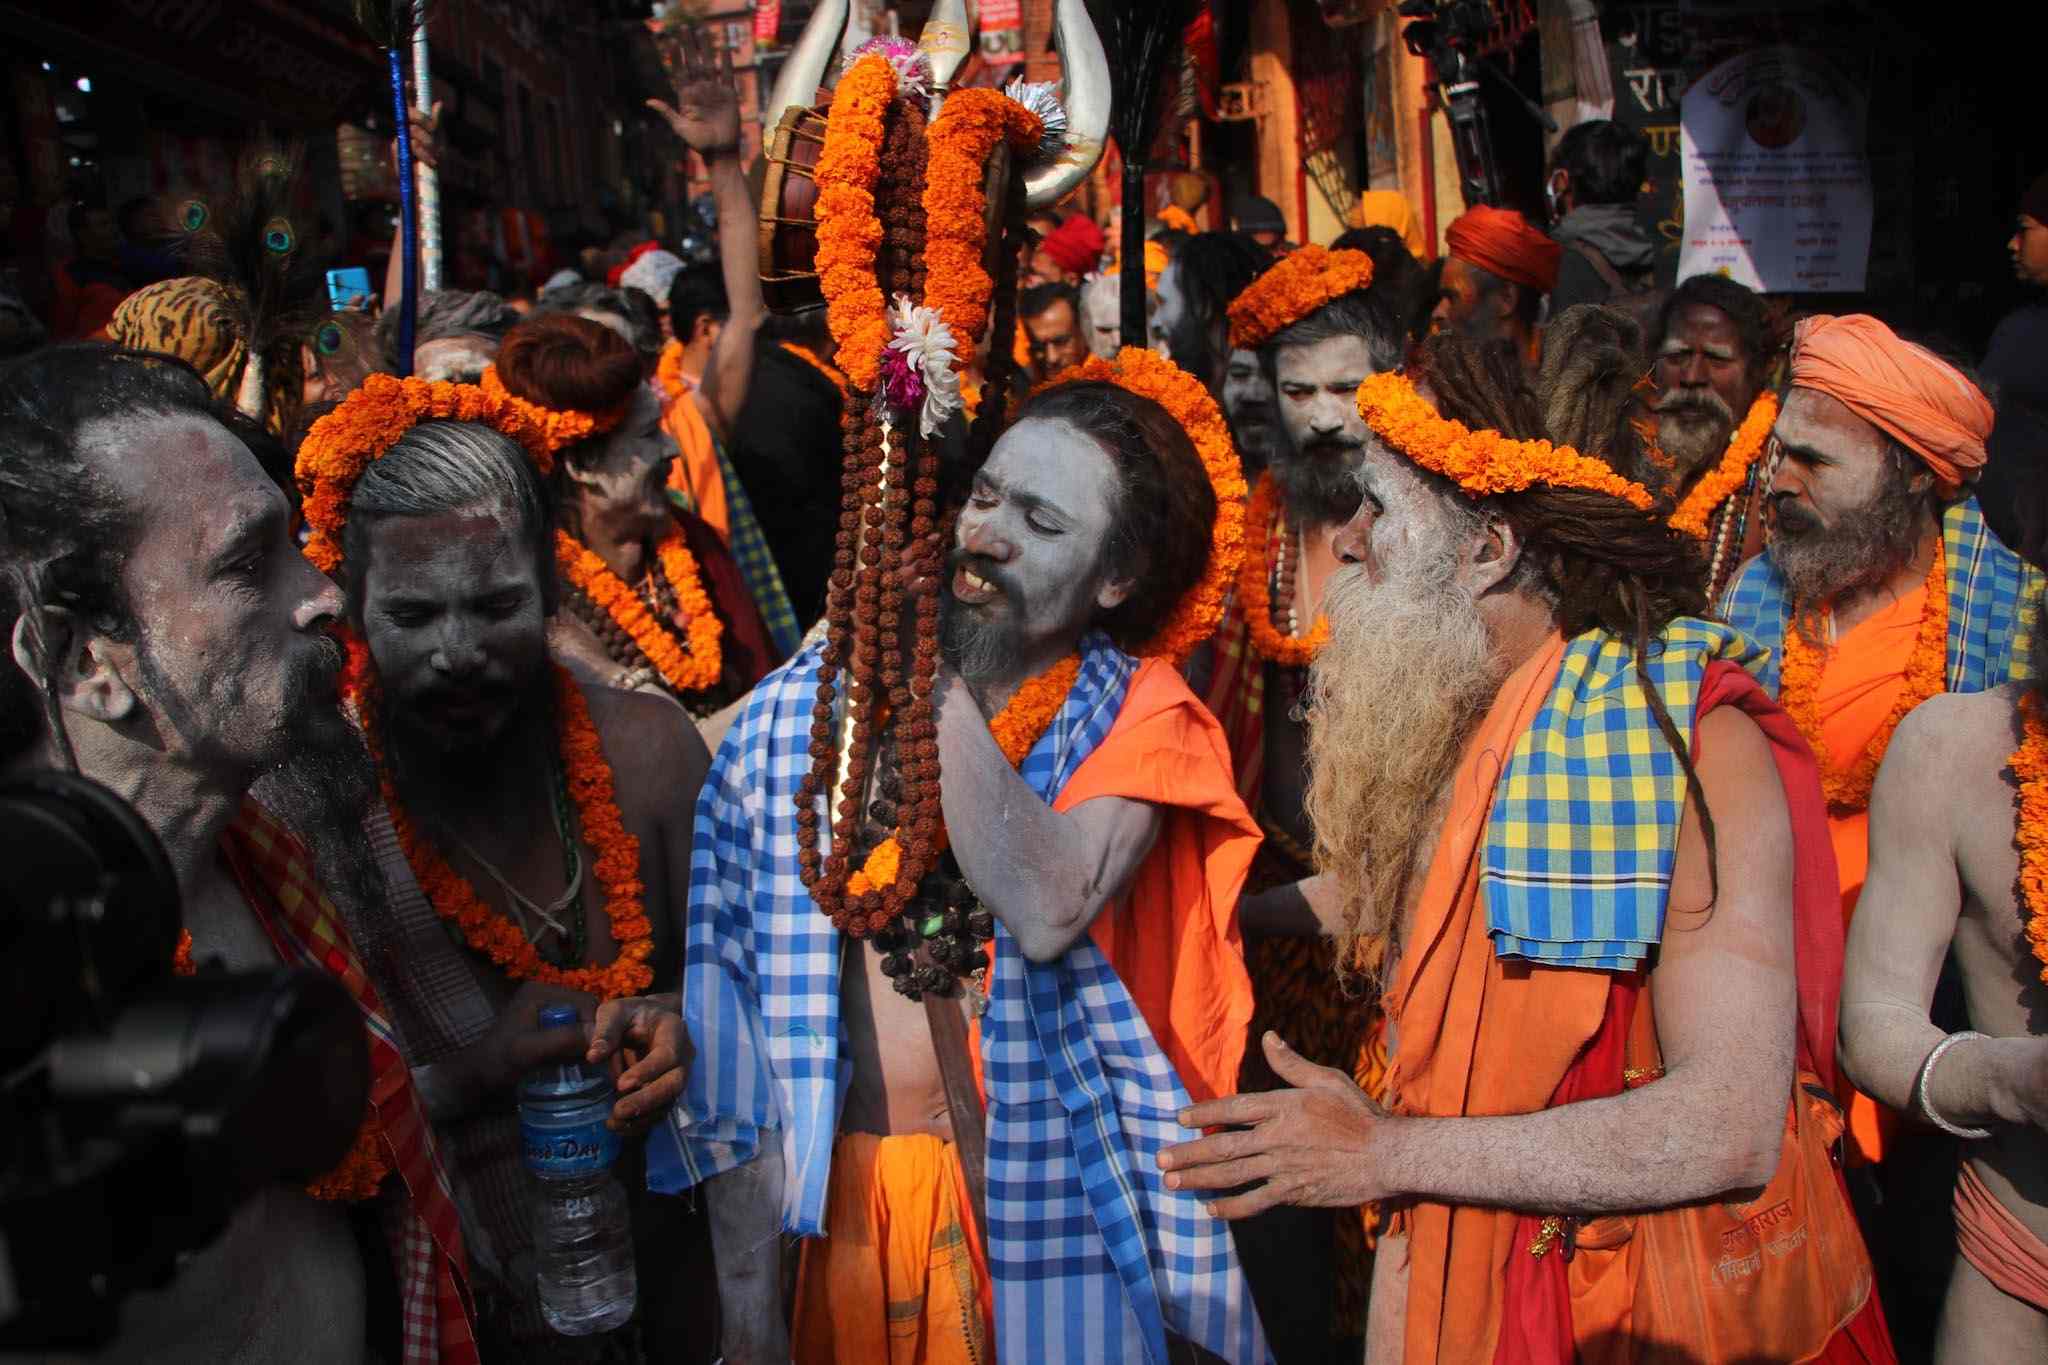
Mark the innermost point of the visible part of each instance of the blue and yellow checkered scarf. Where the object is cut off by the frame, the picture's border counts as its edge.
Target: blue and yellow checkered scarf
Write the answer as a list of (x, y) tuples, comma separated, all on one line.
[(1583, 833)]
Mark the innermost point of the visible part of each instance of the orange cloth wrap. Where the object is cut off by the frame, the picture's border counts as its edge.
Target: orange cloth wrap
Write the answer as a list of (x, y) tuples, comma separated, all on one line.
[(898, 1278), (1858, 688), (1476, 1036), (2004, 1250), (695, 473), (1502, 242), (1173, 937), (1904, 390)]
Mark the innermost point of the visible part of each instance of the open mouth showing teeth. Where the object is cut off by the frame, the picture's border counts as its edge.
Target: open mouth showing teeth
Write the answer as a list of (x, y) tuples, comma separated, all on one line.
[(971, 588)]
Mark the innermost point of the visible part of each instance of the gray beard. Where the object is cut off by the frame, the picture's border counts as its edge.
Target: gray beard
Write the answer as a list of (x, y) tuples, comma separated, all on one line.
[(1407, 674), (322, 794), (1319, 487), (1864, 548), (983, 650), (1694, 436)]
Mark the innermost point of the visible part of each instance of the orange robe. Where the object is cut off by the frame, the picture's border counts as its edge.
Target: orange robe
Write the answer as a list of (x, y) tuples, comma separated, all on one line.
[(695, 474), (1861, 682), (1476, 1035)]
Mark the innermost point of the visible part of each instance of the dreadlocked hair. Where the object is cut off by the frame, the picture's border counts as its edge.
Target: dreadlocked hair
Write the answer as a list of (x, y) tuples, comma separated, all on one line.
[(1595, 558), (1587, 387)]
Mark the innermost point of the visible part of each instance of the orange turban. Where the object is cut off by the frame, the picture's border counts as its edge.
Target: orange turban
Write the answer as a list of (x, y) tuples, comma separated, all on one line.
[(1501, 241), (1907, 391)]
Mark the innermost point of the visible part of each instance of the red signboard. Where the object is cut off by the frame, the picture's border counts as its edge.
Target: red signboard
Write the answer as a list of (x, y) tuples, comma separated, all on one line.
[(767, 18), (1002, 32)]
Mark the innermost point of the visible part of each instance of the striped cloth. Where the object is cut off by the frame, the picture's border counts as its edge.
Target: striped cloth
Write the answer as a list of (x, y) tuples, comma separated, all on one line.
[(1584, 829), (276, 879), (1994, 597), (1092, 1259)]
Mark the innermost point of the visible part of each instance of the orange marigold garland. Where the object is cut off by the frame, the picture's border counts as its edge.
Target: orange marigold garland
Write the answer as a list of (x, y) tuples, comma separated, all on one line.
[(1021, 723), (1266, 527), (1481, 462), (617, 866), (1724, 478), (1293, 287), (561, 426), (685, 670), (2029, 765), (849, 231), (369, 422), (969, 125), (1848, 789), (361, 1171), (1188, 403), (818, 363)]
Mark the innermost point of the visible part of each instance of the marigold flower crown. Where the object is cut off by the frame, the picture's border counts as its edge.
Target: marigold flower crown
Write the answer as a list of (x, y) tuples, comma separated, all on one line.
[(369, 422), (561, 426), (1483, 463), (1153, 376), (1295, 286)]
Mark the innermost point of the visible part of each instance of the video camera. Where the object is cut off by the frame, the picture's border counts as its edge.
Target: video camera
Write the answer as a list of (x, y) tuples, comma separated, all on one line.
[(138, 1108), (1454, 36)]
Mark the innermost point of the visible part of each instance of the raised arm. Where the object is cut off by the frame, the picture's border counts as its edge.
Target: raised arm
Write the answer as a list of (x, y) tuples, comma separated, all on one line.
[(706, 118), (1904, 921), (1045, 874), (1725, 1001)]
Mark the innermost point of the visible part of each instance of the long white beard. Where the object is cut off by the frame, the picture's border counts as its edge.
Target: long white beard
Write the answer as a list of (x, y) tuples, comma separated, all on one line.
[(1408, 672)]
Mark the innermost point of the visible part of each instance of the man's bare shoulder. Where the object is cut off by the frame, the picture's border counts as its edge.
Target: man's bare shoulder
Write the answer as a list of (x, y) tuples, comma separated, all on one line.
[(656, 754), (1958, 735)]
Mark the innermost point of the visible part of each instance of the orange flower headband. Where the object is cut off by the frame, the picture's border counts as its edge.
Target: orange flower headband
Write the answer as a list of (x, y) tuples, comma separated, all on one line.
[(1298, 284), (369, 422), (560, 426), (1153, 376), (1482, 463)]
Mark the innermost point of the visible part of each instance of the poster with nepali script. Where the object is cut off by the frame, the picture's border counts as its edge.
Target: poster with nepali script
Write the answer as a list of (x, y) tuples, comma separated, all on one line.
[(1002, 32), (1777, 176)]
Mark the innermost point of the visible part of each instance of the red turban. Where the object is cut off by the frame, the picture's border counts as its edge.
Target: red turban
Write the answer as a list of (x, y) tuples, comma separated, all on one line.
[(1075, 245), (1502, 242), (1907, 391)]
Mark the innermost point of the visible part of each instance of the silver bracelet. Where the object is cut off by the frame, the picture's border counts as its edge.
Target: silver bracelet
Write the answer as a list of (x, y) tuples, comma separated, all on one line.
[(1926, 1102)]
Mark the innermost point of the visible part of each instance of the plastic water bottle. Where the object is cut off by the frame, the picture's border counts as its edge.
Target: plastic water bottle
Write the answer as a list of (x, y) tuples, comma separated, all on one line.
[(582, 1238)]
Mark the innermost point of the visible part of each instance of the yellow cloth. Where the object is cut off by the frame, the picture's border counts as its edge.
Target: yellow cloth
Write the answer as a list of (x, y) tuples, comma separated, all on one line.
[(1390, 208), (897, 1279)]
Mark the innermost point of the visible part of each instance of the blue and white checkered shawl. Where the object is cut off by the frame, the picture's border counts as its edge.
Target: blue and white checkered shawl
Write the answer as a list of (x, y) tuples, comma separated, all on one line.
[(1580, 844), (1993, 599), (1092, 1258)]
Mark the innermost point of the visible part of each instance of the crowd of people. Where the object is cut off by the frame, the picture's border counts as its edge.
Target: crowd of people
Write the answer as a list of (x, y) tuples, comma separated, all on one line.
[(1420, 811)]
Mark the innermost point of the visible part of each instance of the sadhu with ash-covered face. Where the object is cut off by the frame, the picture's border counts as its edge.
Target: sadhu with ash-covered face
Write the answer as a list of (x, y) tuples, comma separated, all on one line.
[(528, 833), (1561, 827)]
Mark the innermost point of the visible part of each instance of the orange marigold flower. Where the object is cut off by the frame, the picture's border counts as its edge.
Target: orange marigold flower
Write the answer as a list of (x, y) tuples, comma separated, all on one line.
[(1724, 478), (2030, 766), (1482, 463), (1848, 790), (969, 125), (849, 232), (1255, 584), (1188, 402), (690, 670), (369, 422), (562, 426), (1296, 285)]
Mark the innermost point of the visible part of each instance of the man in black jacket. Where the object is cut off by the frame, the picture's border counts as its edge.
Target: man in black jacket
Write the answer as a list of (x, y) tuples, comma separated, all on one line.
[(1594, 178)]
